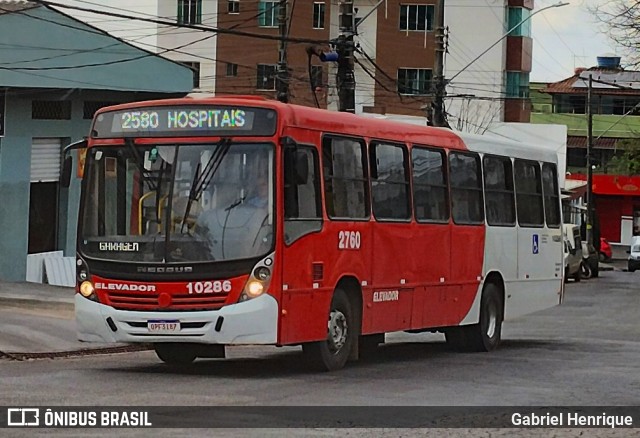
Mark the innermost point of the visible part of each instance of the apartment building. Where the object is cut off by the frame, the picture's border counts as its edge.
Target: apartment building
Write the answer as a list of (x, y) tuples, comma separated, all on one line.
[(394, 56)]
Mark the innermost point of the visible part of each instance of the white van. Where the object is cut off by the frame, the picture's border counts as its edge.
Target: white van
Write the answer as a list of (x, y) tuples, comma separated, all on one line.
[(572, 251), (634, 254)]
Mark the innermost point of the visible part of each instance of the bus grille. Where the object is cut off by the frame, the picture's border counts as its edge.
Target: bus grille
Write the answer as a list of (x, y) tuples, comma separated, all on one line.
[(135, 301)]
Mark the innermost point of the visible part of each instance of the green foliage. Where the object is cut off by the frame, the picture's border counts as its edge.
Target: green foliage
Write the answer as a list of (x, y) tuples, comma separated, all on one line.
[(627, 160)]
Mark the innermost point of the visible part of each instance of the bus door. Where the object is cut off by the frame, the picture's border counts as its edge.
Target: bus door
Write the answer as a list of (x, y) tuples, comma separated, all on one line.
[(304, 252)]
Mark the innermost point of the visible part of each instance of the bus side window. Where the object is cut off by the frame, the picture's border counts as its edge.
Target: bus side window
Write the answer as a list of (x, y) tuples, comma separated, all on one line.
[(430, 192), (498, 191), (389, 181), (302, 201), (529, 193), (466, 188), (345, 179), (551, 196)]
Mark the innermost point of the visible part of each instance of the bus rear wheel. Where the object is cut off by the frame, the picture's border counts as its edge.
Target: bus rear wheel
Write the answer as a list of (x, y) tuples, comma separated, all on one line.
[(486, 334), (175, 354), (333, 353)]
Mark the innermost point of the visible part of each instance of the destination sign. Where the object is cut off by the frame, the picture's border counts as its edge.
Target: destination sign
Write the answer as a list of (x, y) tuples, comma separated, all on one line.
[(169, 121)]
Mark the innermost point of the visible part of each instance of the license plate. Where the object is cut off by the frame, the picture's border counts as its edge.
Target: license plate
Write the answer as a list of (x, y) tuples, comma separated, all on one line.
[(161, 326)]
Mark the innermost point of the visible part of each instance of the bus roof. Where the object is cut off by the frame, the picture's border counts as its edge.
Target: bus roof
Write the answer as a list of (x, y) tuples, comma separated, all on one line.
[(369, 127)]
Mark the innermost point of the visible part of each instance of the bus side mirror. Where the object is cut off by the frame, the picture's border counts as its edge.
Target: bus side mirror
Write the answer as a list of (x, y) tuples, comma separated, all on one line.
[(65, 177), (67, 165)]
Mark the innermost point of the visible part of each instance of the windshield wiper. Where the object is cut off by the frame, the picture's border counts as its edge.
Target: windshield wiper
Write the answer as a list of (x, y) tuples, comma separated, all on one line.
[(200, 183)]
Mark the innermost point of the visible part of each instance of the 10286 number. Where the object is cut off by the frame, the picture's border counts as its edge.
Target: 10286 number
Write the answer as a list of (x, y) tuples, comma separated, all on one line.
[(209, 287)]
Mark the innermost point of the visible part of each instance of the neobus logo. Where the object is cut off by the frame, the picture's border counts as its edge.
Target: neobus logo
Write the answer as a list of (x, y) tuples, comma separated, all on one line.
[(124, 286), (165, 269)]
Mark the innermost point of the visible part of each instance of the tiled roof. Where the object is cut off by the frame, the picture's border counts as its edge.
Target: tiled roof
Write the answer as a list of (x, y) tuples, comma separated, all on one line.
[(578, 83), (8, 6), (575, 141)]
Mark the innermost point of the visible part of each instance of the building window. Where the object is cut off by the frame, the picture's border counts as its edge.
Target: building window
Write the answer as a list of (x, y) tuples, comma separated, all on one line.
[(517, 15), (51, 110), (518, 84), (232, 69), (414, 81), (233, 6), (318, 15), (189, 11), (416, 17), (317, 76), (268, 13), (195, 68), (266, 77)]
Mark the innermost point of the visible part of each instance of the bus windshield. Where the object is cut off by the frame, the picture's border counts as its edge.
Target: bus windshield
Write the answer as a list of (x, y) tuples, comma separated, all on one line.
[(178, 203)]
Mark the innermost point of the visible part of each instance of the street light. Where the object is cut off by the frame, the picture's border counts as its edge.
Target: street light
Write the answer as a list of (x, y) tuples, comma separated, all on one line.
[(557, 5)]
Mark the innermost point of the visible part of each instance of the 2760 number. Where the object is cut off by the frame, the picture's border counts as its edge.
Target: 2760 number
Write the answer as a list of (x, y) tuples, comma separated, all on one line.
[(349, 240), (209, 287)]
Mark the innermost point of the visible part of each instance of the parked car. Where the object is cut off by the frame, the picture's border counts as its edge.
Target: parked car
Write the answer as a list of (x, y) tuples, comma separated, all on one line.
[(634, 254), (572, 252), (590, 261), (605, 250)]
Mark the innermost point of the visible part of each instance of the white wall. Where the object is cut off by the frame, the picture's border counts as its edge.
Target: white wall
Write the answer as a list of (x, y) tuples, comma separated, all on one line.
[(474, 25), (173, 43)]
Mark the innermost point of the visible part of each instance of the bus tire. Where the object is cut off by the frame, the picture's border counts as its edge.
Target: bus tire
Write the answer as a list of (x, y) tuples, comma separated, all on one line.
[(456, 338), (333, 353), (175, 354), (486, 334)]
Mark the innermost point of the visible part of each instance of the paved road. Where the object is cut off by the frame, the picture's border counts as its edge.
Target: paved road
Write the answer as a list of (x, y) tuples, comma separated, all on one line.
[(584, 352)]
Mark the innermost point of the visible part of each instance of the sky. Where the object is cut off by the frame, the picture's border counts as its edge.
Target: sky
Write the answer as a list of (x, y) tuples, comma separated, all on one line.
[(565, 38)]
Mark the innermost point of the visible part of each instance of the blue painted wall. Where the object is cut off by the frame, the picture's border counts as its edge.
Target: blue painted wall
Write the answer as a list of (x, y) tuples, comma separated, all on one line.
[(40, 45)]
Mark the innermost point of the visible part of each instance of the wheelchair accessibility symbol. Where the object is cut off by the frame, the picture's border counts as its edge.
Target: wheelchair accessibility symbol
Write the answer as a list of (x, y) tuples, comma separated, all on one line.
[(535, 247)]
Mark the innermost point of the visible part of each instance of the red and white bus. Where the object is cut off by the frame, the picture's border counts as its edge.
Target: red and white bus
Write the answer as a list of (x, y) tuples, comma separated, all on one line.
[(238, 220)]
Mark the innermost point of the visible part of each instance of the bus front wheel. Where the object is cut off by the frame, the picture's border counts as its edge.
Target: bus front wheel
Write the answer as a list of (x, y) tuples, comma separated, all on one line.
[(175, 354), (333, 353)]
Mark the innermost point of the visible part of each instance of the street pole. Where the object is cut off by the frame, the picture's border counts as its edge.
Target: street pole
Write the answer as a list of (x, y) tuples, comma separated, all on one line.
[(438, 114), (589, 218), (345, 77), (282, 78)]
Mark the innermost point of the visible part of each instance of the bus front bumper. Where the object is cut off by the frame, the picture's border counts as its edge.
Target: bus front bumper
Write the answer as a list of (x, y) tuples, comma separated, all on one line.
[(251, 322)]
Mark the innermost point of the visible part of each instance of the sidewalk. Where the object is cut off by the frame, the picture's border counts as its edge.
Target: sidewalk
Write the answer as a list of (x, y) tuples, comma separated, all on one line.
[(37, 321), (36, 295)]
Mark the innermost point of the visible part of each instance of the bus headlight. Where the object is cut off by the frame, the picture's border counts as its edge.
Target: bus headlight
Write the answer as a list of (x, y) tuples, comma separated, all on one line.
[(254, 289), (258, 282), (86, 289), (262, 273)]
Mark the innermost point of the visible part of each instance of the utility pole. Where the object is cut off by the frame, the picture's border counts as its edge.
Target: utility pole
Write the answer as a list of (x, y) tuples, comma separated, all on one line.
[(282, 78), (345, 77), (589, 218), (439, 85)]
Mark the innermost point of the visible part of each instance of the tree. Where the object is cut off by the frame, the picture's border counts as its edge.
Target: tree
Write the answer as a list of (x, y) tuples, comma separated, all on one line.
[(620, 20), (626, 162)]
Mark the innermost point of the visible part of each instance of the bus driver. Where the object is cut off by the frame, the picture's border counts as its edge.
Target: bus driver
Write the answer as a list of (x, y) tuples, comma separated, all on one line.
[(241, 228)]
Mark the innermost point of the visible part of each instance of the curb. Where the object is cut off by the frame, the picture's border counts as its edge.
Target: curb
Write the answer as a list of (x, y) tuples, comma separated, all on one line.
[(31, 303), (75, 353)]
